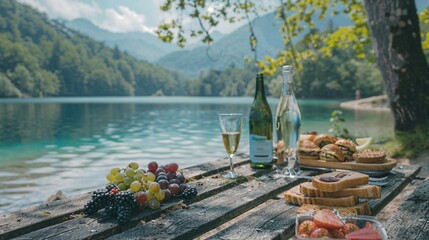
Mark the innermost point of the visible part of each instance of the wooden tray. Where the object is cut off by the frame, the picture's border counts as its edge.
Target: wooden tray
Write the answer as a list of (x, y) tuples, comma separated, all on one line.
[(354, 166)]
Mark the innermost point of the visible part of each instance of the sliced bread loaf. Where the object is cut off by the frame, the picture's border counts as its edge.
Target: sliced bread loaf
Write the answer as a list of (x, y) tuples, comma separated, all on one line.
[(364, 191), (336, 181), (294, 196)]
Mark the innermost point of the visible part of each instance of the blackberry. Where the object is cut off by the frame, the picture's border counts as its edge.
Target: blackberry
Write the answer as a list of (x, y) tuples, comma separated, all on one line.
[(90, 208), (124, 214), (189, 192), (100, 197), (111, 208), (126, 199)]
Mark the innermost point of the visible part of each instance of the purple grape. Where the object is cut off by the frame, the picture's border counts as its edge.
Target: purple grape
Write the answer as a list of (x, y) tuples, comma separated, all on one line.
[(181, 178), (163, 183), (171, 175), (175, 180)]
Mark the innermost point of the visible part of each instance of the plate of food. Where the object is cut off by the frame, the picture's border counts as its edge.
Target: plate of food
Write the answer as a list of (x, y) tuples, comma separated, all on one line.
[(328, 152)]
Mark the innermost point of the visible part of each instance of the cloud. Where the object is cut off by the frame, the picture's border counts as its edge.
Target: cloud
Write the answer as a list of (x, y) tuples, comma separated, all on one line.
[(124, 20), (65, 9)]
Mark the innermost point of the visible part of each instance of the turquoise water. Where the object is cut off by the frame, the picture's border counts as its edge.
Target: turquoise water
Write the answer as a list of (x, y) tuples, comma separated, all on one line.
[(69, 144)]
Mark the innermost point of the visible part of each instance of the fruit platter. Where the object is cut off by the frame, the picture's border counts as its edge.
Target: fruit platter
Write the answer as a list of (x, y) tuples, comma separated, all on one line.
[(131, 189), (326, 223), (329, 152)]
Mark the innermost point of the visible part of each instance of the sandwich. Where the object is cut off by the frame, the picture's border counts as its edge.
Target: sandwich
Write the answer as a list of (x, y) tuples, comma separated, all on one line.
[(323, 139), (370, 156), (307, 136), (347, 147), (331, 153), (309, 150)]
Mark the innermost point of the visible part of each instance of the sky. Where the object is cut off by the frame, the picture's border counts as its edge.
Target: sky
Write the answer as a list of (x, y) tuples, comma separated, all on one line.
[(116, 15)]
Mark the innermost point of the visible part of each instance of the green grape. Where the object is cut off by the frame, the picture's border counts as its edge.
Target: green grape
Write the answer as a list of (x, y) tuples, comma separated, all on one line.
[(154, 187), (138, 176), (135, 186), (149, 177), (129, 172), (122, 187), (127, 181), (133, 165), (149, 195), (140, 171), (160, 195), (120, 177), (110, 177), (115, 171), (154, 204)]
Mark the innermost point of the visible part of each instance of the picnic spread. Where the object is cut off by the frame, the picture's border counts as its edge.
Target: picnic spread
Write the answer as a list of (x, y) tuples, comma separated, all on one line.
[(252, 206)]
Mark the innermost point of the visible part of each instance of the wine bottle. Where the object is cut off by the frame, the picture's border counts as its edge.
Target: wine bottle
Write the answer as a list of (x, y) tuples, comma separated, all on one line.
[(260, 128), (288, 124)]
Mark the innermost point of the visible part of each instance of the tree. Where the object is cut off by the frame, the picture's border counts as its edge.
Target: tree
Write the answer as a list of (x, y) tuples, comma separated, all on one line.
[(394, 29), (396, 39)]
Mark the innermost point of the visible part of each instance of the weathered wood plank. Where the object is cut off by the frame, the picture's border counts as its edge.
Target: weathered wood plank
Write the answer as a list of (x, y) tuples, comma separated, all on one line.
[(34, 218), (411, 221), (211, 212), (277, 220), (101, 226), (30, 219), (404, 175)]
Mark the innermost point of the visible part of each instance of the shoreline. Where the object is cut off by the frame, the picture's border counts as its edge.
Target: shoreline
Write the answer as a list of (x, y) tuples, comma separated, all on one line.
[(375, 103)]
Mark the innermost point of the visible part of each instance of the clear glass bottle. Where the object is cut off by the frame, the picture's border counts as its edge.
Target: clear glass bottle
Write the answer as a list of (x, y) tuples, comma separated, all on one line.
[(260, 128), (288, 124)]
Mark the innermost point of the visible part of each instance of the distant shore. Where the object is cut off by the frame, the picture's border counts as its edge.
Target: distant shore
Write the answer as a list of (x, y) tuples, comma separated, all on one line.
[(376, 103)]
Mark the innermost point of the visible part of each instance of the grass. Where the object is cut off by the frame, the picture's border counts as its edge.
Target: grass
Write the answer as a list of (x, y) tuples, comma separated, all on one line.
[(409, 144)]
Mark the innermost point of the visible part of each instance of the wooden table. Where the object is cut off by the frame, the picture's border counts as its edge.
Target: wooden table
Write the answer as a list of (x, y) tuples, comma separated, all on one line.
[(246, 208), (411, 221)]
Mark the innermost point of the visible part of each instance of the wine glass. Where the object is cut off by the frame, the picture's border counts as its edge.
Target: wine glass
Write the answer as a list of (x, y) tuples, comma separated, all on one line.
[(230, 124)]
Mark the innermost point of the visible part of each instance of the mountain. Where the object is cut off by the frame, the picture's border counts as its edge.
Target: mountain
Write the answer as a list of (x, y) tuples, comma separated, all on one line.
[(143, 46), (232, 49), (41, 57)]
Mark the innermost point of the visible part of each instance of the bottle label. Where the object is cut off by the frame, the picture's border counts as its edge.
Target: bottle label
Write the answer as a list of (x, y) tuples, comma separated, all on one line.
[(261, 149)]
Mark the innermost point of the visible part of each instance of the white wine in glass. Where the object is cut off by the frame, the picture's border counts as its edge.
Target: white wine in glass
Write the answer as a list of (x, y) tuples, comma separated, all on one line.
[(230, 124)]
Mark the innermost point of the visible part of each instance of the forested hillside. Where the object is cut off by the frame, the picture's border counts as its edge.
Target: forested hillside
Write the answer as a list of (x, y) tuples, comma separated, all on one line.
[(40, 57)]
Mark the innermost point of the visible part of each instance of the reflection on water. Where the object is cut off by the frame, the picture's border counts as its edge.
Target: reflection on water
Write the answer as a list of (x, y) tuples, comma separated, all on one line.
[(70, 144)]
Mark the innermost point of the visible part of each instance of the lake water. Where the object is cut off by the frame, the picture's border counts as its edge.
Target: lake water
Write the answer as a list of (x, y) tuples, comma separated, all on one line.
[(70, 144)]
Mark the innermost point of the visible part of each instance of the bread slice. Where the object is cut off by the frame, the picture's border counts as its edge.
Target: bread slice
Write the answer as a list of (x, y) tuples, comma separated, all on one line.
[(294, 196), (359, 209), (336, 181), (364, 191)]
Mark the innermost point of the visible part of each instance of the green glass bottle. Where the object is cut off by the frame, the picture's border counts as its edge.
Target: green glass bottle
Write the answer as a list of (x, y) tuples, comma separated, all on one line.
[(260, 128)]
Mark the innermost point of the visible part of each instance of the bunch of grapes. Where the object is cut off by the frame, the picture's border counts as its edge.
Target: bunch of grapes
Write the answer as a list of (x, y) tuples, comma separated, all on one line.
[(117, 203), (149, 188)]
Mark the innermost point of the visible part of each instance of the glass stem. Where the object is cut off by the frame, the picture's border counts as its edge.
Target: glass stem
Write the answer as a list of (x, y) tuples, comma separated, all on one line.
[(231, 166)]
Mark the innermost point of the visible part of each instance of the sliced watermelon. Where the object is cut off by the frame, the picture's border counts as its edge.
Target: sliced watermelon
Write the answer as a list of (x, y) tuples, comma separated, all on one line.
[(364, 234), (325, 218)]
